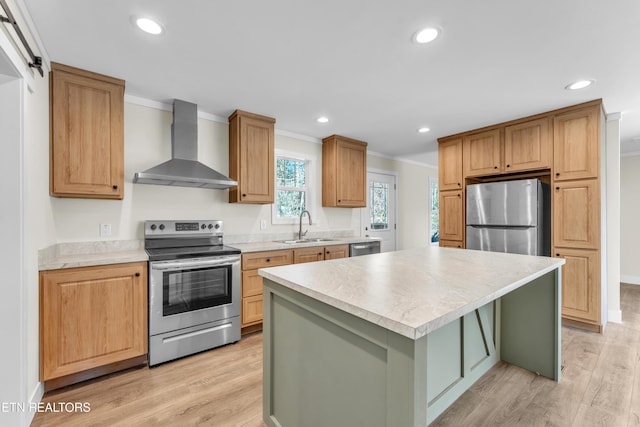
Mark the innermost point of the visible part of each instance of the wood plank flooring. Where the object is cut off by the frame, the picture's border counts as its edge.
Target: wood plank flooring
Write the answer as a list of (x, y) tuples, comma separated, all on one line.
[(600, 387)]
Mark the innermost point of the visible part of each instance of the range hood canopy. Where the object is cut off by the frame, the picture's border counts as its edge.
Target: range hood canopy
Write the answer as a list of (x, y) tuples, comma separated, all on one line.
[(184, 170)]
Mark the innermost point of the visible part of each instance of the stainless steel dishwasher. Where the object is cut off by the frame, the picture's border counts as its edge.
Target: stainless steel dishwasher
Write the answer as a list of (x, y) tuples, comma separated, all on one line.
[(364, 248)]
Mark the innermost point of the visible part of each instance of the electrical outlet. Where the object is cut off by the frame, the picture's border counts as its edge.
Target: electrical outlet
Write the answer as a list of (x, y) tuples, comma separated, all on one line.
[(263, 224), (105, 230)]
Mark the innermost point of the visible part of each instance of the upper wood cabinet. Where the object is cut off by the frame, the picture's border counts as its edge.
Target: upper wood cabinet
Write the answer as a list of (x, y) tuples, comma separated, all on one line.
[(576, 144), (251, 157), (576, 214), (451, 215), (450, 164), (91, 317), (527, 146), (87, 134), (482, 153), (344, 172)]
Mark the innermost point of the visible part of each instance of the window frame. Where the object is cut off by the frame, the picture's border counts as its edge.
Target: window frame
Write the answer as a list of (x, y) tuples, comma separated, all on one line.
[(309, 161), (433, 181)]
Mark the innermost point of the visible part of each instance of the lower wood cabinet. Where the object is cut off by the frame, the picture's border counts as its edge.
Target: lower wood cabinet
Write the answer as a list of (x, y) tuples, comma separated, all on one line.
[(320, 253), (580, 284), (91, 317), (251, 312), (451, 244)]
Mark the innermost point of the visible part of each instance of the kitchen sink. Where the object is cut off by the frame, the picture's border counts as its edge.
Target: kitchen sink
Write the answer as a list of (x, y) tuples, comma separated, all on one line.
[(293, 241)]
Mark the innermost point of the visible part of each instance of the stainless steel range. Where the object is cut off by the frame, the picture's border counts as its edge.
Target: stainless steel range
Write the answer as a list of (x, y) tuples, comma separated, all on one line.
[(194, 288)]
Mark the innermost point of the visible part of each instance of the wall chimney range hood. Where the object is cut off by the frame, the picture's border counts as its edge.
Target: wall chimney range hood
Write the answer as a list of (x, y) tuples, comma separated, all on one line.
[(184, 170)]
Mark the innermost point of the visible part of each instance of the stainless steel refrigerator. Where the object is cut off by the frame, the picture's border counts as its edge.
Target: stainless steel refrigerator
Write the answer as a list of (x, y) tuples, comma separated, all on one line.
[(510, 216)]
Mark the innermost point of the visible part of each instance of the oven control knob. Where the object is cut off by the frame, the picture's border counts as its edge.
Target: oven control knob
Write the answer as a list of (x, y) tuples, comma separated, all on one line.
[(217, 226), (153, 226), (161, 226), (210, 226), (203, 226)]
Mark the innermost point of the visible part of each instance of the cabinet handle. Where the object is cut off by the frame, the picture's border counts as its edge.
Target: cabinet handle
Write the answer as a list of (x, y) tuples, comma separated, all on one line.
[(268, 259), (244, 195), (557, 254), (115, 188), (460, 246), (137, 274), (557, 188), (320, 253), (508, 166), (557, 173), (495, 167), (339, 201), (328, 252), (459, 185), (459, 196)]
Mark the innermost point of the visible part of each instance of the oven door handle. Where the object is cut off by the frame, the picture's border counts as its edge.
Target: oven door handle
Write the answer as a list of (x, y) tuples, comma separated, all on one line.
[(178, 265)]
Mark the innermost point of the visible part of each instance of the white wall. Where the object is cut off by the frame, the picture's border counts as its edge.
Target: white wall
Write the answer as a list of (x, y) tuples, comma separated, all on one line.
[(148, 143), (629, 215), (611, 225), (12, 303)]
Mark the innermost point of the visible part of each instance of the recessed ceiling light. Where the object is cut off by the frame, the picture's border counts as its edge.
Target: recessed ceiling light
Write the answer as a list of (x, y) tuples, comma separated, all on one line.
[(426, 35), (580, 84), (322, 119), (149, 26), (423, 130)]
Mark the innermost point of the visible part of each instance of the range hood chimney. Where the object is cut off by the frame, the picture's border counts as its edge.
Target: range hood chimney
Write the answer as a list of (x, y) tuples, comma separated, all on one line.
[(184, 170)]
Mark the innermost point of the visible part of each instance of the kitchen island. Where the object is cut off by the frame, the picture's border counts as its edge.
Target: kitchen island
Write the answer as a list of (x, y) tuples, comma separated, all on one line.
[(393, 339)]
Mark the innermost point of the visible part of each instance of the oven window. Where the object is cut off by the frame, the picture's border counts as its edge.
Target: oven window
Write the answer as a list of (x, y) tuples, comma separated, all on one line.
[(189, 290)]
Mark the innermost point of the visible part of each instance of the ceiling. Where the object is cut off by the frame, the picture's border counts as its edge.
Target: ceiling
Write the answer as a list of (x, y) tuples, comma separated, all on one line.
[(354, 61)]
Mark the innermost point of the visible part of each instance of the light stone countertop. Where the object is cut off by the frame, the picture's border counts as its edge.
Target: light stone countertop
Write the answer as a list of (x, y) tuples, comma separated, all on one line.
[(413, 292), (274, 246), (85, 254)]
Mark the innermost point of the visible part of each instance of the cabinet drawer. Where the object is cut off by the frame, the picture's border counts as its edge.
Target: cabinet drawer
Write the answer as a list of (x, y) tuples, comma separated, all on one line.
[(251, 283), (451, 244), (251, 310), (266, 259)]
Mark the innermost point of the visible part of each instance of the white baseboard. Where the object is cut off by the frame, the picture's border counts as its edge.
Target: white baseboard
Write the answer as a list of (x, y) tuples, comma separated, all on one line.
[(36, 397), (615, 316), (632, 280)]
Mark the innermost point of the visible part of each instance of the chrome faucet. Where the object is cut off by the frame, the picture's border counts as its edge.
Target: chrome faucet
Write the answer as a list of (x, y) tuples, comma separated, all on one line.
[(300, 233)]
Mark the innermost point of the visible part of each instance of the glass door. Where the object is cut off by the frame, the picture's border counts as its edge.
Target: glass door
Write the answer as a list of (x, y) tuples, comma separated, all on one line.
[(379, 216)]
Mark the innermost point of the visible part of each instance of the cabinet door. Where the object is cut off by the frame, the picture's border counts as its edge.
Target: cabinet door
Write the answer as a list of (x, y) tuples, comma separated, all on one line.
[(351, 172), (256, 161), (251, 283), (527, 146), (315, 253), (576, 214), (91, 317), (580, 284), (576, 144), (251, 310), (336, 251), (482, 153), (451, 215), (344, 172), (87, 134), (450, 165)]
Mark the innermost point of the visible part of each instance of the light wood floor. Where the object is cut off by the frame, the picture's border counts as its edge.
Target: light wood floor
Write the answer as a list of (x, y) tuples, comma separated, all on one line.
[(600, 386)]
